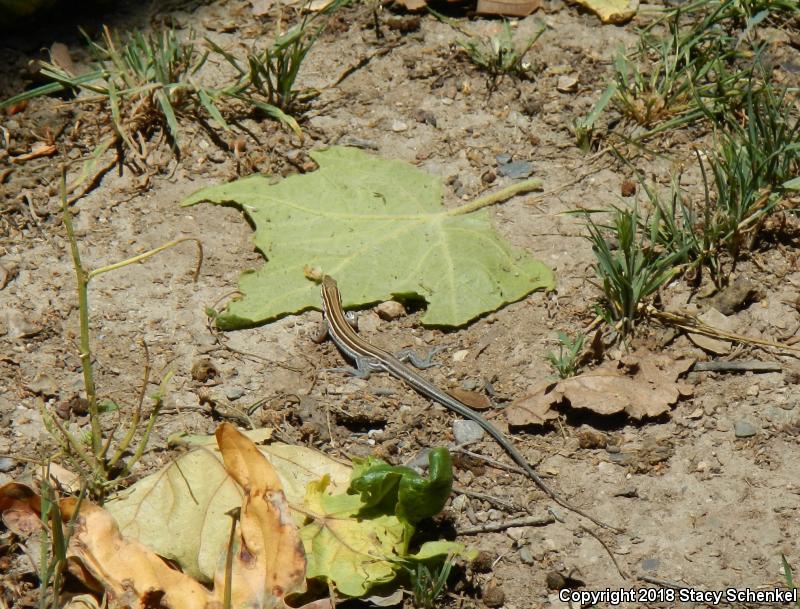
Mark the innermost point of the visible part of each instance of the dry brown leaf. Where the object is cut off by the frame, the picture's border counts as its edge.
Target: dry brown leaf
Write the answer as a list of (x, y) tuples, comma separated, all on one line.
[(270, 562), (612, 11), (473, 399), (535, 408), (640, 385), (509, 8), (412, 5), (130, 573)]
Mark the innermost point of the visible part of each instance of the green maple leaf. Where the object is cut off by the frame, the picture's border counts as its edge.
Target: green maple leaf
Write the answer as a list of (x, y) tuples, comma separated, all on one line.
[(379, 228)]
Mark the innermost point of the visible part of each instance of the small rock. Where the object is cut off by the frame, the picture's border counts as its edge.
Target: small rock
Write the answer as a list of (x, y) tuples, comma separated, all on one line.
[(233, 393), (744, 429), (19, 326), (494, 596), (752, 391), (526, 556), (459, 503), (695, 414), (591, 438), (467, 432), (9, 270), (399, 126), (628, 188), (483, 562), (420, 462), (516, 170), (650, 564), (627, 491), (7, 464), (735, 296), (517, 533), (368, 322), (469, 384), (424, 116), (555, 581), (391, 309), (460, 355), (503, 159), (567, 84), (44, 385), (203, 369), (488, 177)]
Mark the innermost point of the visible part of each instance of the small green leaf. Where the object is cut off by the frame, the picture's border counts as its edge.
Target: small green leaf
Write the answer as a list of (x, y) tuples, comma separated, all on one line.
[(437, 549), (107, 406), (793, 184)]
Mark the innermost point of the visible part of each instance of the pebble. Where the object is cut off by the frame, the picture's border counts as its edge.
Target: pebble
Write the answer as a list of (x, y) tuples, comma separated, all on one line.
[(517, 533), (459, 503), (7, 464), (460, 355), (19, 326), (650, 564), (420, 462), (494, 596), (391, 309), (554, 580), (467, 432), (233, 393), (744, 429), (567, 84), (469, 384), (526, 556), (399, 126), (368, 322), (44, 385), (516, 169), (752, 391), (503, 159), (203, 369)]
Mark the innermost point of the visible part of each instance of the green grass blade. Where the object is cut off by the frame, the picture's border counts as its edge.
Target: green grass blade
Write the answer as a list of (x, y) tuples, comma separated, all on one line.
[(208, 104), (169, 113)]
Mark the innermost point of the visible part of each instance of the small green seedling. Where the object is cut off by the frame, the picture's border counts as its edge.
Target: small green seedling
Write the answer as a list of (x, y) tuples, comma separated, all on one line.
[(499, 55), (631, 267), (567, 362), (428, 583), (789, 576)]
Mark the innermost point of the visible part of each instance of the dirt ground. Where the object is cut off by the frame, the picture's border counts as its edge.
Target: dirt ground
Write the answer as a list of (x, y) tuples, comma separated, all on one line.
[(701, 501)]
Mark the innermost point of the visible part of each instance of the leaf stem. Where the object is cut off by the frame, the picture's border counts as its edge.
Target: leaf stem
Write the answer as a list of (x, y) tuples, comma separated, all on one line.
[(498, 196)]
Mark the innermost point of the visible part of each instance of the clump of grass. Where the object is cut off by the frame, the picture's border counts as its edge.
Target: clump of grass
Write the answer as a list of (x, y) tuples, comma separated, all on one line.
[(697, 62), (143, 82), (630, 265), (567, 362), (748, 177), (501, 55), (147, 83), (266, 79), (428, 583)]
